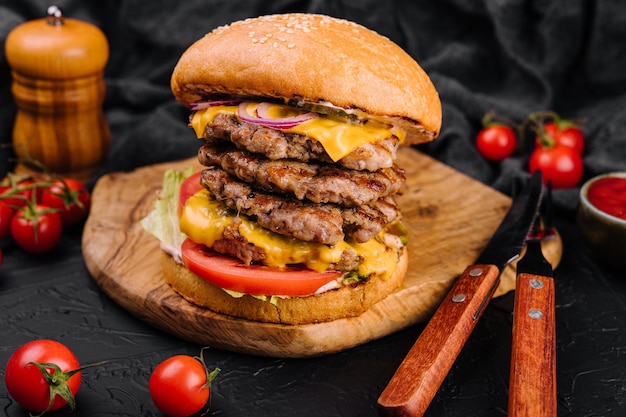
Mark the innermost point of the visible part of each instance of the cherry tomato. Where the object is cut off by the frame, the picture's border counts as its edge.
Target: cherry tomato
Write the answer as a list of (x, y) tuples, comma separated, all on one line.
[(70, 197), (189, 187), (27, 383), (564, 133), (36, 229), (230, 273), (181, 385), (496, 142), (6, 215), (560, 164), (16, 191)]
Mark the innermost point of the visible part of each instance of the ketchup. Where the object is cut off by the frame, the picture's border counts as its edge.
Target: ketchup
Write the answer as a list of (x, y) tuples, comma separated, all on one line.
[(609, 195)]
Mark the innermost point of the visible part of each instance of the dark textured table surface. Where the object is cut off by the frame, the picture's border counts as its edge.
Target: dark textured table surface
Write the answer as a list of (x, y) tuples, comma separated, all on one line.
[(513, 57)]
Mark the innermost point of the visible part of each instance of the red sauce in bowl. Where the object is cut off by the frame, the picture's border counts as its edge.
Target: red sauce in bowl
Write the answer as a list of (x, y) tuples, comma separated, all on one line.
[(609, 195)]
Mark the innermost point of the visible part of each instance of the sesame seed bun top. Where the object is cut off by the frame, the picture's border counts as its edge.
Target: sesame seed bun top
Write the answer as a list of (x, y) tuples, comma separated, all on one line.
[(313, 58)]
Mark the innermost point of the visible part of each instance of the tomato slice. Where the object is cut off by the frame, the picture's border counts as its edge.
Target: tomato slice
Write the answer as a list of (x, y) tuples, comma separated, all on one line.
[(189, 187), (230, 273)]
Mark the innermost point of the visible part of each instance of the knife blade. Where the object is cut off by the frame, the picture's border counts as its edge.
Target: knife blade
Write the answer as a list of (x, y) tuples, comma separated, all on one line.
[(532, 382), (423, 370)]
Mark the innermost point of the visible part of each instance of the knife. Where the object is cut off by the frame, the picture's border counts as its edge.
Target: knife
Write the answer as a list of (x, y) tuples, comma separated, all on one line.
[(423, 370), (532, 382)]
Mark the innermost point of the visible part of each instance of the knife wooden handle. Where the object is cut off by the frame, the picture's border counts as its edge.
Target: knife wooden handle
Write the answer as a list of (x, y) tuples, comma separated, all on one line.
[(421, 373), (532, 384)]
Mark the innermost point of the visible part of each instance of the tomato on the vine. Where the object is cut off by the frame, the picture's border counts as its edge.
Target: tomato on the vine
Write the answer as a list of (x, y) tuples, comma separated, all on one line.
[(563, 133), (43, 375), (69, 197), (181, 385), (17, 190), (36, 228), (496, 142), (561, 165), (6, 215)]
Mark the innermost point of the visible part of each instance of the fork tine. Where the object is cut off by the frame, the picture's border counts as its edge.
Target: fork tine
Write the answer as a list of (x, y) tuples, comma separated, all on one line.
[(546, 228), (548, 210)]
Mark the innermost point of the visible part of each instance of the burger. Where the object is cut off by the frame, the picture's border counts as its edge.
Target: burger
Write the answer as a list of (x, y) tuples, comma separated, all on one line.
[(293, 217)]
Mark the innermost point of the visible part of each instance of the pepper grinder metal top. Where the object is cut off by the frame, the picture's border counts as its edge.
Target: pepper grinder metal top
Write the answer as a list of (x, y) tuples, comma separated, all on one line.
[(57, 65)]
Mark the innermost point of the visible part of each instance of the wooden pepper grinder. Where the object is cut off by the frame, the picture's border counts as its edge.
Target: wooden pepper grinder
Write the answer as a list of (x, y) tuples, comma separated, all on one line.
[(57, 65)]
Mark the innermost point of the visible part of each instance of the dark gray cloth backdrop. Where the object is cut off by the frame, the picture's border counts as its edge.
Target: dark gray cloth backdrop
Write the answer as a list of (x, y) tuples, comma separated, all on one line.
[(509, 56)]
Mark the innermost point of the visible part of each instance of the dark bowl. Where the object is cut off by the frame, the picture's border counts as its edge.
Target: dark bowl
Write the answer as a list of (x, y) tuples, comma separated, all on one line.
[(605, 234)]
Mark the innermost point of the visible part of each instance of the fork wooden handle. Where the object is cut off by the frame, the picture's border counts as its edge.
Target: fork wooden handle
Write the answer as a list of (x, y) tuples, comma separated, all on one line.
[(532, 383)]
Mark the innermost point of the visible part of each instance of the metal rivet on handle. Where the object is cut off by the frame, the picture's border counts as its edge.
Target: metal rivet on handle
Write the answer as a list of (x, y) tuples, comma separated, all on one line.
[(476, 272), (535, 283), (459, 298), (535, 314)]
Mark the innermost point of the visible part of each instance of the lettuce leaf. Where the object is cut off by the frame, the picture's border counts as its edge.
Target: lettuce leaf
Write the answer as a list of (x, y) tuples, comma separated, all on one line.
[(162, 221)]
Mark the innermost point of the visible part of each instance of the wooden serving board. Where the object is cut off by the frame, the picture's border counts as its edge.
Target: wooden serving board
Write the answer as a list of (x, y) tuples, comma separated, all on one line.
[(450, 218)]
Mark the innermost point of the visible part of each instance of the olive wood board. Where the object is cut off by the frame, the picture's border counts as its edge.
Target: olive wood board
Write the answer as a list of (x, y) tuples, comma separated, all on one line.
[(450, 218)]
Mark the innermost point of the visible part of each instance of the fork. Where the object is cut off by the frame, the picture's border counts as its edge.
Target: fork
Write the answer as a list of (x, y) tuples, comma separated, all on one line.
[(532, 382)]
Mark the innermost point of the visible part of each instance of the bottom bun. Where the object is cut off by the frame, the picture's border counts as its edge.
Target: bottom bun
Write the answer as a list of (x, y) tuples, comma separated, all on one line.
[(347, 301)]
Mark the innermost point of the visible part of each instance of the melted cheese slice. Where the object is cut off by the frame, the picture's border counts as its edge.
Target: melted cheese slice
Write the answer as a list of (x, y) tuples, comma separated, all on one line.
[(204, 219), (338, 136)]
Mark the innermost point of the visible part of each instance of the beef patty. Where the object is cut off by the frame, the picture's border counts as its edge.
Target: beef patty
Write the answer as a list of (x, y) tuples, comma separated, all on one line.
[(317, 182), (275, 144), (234, 244), (323, 223)]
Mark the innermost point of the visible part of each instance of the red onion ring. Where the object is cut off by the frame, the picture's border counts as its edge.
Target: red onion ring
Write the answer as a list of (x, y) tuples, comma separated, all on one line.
[(263, 118), (204, 104)]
